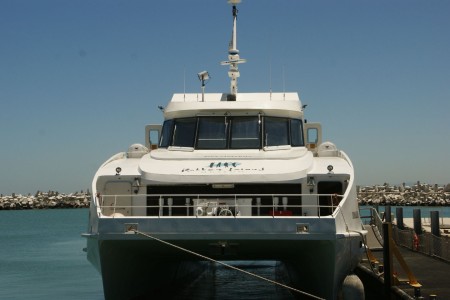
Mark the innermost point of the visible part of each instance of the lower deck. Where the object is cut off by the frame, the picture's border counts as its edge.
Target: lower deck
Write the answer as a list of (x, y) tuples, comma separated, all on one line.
[(119, 199)]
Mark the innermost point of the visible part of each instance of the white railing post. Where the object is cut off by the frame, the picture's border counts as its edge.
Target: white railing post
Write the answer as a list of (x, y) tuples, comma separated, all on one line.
[(258, 205), (115, 203), (235, 206), (188, 200), (285, 202), (170, 203), (161, 205), (195, 208), (318, 205), (276, 201)]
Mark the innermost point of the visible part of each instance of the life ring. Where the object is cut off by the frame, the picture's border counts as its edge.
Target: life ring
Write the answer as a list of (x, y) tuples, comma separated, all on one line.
[(225, 212), (416, 242)]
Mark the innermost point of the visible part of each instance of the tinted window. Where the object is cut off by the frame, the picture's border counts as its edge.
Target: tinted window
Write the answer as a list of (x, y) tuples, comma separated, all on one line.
[(276, 131), (184, 132), (166, 134), (245, 133), (212, 133), (296, 133)]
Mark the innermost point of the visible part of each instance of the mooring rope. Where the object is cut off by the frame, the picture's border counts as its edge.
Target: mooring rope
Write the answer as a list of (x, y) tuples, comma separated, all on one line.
[(226, 265)]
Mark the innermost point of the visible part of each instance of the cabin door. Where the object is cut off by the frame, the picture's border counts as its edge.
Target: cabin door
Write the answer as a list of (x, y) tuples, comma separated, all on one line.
[(326, 201), (313, 134), (116, 198)]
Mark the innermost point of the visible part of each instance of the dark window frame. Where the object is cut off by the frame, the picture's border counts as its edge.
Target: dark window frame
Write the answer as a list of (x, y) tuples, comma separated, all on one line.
[(166, 134), (167, 138), (193, 137), (292, 139), (259, 136), (227, 129), (287, 133)]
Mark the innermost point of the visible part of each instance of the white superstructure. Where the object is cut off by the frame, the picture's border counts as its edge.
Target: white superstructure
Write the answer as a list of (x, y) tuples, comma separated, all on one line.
[(232, 176)]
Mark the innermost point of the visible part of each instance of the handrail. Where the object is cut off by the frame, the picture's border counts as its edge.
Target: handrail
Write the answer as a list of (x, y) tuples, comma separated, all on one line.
[(278, 203), (218, 195), (375, 220)]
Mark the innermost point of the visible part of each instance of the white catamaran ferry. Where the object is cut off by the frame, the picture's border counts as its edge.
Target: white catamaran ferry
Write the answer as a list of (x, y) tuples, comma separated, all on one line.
[(229, 176)]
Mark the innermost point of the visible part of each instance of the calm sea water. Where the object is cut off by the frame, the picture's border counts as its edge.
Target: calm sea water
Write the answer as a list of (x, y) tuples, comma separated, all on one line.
[(41, 258)]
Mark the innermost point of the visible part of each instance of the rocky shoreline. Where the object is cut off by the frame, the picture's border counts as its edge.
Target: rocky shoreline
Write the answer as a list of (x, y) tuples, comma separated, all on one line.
[(45, 200), (416, 195), (419, 194)]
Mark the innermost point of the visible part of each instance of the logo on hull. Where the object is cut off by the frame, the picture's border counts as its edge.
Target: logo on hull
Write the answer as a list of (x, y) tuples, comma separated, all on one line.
[(222, 166)]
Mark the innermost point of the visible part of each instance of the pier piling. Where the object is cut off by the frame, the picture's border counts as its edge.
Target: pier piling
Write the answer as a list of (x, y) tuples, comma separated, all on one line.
[(434, 217), (399, 216), (387, 214), (417, 221)]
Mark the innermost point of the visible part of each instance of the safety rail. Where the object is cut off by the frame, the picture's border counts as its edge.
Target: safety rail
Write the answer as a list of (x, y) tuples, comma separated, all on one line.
[(370, 216), (204, 205), (426, 242)]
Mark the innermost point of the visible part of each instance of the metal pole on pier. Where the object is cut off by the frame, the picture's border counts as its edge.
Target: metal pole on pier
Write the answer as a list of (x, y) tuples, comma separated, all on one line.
[(417, 221), (399, 216), (436, 233), (387, 214), (434, 216)]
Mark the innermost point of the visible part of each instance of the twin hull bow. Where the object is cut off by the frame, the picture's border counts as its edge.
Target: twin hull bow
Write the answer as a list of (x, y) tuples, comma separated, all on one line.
[(134, 266), (280, 203)]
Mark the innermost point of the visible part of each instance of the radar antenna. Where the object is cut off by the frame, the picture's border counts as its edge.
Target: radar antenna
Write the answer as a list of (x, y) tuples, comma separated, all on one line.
[(233, 54)]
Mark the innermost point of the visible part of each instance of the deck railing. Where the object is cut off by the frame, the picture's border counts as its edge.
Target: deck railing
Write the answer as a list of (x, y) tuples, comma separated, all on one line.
[(426, 243), (217, 205)]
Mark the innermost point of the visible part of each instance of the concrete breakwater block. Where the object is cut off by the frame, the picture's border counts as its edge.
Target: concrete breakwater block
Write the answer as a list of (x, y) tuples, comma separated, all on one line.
[(404, 195), (44, 200)]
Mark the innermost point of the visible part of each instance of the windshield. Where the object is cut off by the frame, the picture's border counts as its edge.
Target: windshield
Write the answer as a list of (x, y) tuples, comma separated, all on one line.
[(297, 133), (166, 133), (237, 132), (212, 133), (276, 131), (245, 133), (184, 132)]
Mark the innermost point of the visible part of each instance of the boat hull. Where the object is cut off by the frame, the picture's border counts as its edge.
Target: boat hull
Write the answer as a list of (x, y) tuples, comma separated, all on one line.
[(148, 269)]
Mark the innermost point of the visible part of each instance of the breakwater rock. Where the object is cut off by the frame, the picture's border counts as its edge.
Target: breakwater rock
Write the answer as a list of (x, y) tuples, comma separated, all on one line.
[(404, 195), (386, 194), (45, 200)]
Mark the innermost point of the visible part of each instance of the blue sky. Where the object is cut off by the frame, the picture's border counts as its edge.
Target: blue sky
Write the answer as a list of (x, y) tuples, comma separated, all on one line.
[(79, 80)]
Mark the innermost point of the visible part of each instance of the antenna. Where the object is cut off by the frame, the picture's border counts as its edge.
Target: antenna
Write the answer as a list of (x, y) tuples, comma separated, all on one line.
[(270, 65), (233, 53), (270, 79), (284, 85)]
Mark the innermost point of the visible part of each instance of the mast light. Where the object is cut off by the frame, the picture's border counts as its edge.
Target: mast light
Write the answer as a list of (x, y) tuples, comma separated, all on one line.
[(203, 77)]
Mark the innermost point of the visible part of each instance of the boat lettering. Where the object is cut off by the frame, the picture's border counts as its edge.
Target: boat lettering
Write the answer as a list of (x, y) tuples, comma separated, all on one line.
[(224, 164), (214, 167)]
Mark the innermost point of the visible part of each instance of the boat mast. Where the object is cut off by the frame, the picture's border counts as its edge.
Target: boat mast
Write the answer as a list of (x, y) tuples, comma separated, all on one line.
[(233, 54)]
